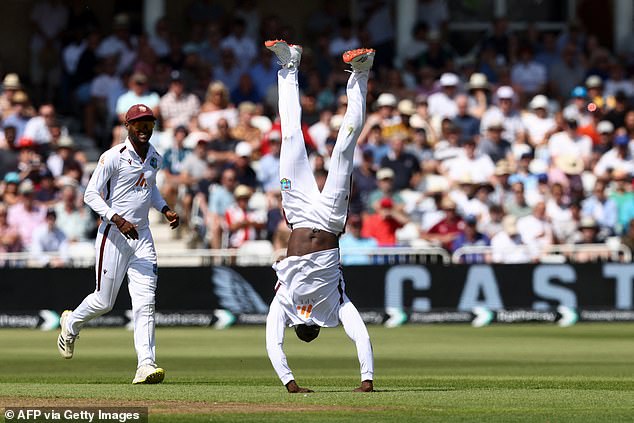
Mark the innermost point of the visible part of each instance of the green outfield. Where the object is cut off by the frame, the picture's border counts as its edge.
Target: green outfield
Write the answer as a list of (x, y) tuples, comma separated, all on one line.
[(503, 373)]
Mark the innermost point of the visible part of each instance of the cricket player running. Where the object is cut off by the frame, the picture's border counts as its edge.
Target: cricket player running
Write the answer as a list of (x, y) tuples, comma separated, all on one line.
[(121, 190), (310, 292)]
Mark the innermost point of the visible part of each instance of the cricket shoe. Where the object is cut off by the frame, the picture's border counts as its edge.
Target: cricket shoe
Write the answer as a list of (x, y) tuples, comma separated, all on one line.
[(360, 59), (149, 373), (65, 341), (289, 55)]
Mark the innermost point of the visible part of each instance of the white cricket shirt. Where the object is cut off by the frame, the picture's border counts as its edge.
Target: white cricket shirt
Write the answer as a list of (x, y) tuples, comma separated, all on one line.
[(124, 184)]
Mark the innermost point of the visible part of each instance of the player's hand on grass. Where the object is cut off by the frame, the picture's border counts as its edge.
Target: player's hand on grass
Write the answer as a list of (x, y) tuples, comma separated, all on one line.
[(294, 388), (173, 218), (366, 386), (126, 228)]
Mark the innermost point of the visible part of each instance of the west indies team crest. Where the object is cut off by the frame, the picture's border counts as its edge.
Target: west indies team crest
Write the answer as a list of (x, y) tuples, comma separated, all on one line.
[(286, 184), (153, 162)]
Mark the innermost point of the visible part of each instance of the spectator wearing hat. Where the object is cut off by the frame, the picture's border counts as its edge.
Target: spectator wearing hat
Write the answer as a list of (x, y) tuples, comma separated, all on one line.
[(566, 72), (567, 171), (448, 228), (578, 106), (9, 188), (10, 241), (138, 93), (178, 106), (538, 121), (506, 111), (385, 184), (500, 181), (493, 144), (594, 85), (443, 103), (384, 222), (404, 165), (528, 75), (471, 237), (469, 125), (269, 165), (507, 246), (588, 233), (10, 85), (242, 165), (353, 239), (386, 117), (63, 157), (121, 44), (602, 209), (243, 223), (618, 158), (479, 91), (26, 215), (21, 114), (605, 129), (49, 238)]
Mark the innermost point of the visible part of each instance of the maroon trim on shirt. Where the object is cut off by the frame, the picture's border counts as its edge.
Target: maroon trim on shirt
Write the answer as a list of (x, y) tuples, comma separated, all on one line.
[(101, 248)]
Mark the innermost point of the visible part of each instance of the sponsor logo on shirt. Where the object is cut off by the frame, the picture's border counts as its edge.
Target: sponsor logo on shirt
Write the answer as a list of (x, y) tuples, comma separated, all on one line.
[(285, 183)]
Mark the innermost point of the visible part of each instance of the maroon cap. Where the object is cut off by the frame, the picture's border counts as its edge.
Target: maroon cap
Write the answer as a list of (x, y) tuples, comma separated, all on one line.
[(139, 111)]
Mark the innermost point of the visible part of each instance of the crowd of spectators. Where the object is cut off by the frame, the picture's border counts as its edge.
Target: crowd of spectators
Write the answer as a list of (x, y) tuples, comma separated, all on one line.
[(527, 140)]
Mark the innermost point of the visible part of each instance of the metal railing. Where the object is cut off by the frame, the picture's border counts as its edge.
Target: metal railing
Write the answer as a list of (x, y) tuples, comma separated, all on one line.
[(575, 253), (354, 256)]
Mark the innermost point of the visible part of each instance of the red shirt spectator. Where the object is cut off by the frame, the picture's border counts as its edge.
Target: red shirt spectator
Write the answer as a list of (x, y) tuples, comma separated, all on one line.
[(383, 224)]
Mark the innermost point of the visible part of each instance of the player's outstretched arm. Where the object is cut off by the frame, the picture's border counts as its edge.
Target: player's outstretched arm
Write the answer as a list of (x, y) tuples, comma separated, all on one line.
[(294, 388), (366, 386)]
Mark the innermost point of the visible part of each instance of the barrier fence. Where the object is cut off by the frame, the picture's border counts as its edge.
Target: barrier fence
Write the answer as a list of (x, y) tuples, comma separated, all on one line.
[(390, 294)]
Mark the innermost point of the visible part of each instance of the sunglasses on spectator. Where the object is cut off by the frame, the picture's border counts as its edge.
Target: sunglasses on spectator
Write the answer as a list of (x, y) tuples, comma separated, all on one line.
[(142, 125)]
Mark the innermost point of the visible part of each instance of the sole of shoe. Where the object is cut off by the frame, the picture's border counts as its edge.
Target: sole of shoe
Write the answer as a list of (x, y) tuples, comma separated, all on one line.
[(271, 43), (155, 377), (350, 55)]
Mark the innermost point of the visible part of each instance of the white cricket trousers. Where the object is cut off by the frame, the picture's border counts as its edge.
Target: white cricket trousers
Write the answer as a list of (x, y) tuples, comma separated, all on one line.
[(352, 323), (115, 256), (303, 204)]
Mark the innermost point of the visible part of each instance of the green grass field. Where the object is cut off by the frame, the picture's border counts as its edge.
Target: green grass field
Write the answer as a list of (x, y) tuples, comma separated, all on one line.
[(452, 373)]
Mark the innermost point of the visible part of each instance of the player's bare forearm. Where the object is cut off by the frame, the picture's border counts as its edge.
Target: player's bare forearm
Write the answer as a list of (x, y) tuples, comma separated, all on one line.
[(171, 216), (293, 388)]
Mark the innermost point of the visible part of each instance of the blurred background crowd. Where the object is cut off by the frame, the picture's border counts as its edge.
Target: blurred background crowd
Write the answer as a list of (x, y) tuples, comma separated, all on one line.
[(526, 139)]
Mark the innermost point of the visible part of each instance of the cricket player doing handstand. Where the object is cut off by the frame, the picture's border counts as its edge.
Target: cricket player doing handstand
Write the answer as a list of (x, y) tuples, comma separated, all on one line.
[(310, 292)]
